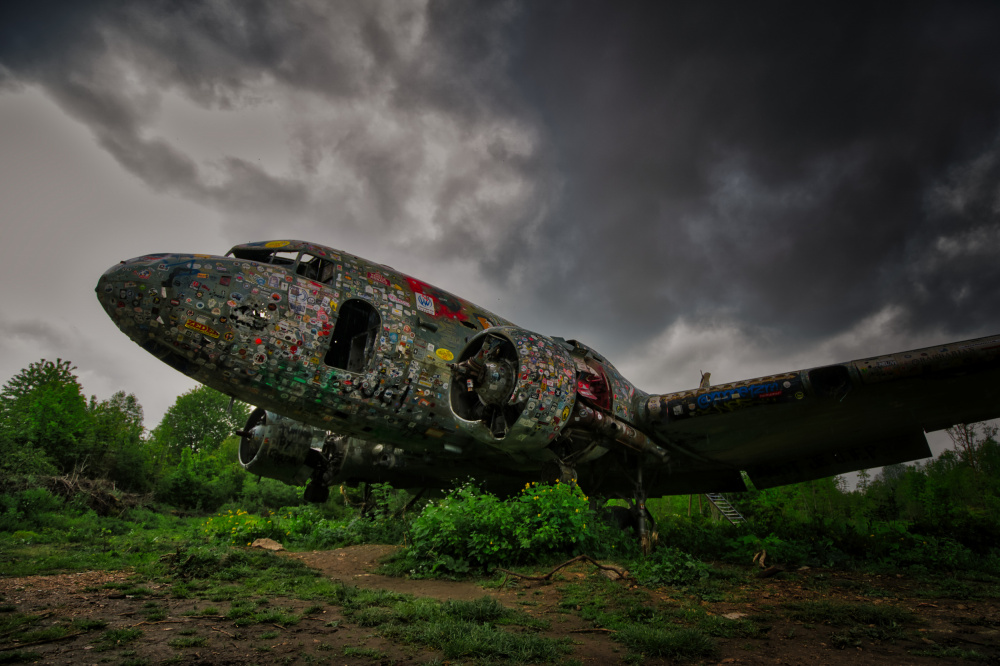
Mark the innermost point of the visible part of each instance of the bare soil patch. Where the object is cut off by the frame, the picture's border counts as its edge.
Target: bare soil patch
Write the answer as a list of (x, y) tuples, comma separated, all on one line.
[(949, 626)]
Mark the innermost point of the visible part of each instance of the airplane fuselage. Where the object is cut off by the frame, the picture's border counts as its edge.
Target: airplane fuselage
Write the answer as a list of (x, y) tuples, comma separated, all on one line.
[(342, 344)]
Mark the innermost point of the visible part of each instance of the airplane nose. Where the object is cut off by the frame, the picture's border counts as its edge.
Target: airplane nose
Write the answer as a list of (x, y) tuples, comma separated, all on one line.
[(126, 292), (180, 307)]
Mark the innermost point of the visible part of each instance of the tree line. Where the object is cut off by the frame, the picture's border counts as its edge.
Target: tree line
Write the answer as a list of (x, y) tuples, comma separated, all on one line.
[(49, 427)]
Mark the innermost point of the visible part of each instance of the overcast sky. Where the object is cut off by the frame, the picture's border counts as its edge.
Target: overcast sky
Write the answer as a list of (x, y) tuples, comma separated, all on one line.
[(741, 188)]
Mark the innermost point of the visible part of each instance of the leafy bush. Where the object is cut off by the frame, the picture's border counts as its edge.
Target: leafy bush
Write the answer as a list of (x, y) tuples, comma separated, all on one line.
[(669, 566), (200, 481), (240, 527), (28, 508), (471, 529), (265, 495)]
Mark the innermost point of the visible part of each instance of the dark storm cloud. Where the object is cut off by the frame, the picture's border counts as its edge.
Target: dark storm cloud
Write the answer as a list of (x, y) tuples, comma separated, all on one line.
[(771, 162), (787, 170)]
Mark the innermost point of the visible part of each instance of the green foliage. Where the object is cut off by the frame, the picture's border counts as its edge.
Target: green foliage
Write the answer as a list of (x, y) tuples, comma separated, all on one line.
[(657, 642), (27, 509), (198, 421), (308, 526), (669, 566), (43, 420), (242, 528), (842, 613), (120, 453), (201, 480), (264, 495), (471, 529), (460, 629)]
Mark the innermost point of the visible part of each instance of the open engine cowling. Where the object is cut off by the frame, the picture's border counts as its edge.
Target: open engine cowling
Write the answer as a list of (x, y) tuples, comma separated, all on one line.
[(514, 387)]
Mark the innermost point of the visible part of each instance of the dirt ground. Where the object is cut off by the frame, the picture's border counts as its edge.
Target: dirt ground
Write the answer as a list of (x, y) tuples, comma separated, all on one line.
[(322, 636)]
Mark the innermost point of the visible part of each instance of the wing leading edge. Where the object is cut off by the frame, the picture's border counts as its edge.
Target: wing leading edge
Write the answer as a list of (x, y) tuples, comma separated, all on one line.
[(809, 424)]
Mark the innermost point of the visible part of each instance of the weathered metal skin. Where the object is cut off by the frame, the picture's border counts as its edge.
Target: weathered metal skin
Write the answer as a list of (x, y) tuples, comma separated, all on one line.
[(362, 373)]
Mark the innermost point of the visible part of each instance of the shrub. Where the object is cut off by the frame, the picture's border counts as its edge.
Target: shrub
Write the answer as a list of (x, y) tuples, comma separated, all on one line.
[(669, 566), (471, 529), (27, 508)]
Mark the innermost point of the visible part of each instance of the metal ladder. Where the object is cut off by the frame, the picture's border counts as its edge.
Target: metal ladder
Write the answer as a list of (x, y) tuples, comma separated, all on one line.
[(725, 508)]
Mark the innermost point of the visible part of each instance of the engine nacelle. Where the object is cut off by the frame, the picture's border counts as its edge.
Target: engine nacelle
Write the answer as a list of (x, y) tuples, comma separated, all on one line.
[(514, 387), (295, 453), (281, 448)]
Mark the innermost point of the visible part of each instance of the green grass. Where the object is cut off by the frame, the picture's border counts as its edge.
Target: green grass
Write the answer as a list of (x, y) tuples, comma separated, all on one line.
[(464, 640), (21, 627), (84, 541), (740, 628), (653, 629), (953, 588), (188, 642), (114, 638), (369, 653), (459, 629), (19, 657), (684, 643), (942, 652), (841, 613)]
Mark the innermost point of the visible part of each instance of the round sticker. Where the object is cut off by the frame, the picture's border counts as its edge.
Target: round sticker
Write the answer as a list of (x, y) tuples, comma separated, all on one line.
[(444, 354)]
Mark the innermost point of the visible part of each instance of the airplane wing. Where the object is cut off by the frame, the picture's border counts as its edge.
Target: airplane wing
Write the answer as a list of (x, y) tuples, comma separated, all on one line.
[(809, 424)]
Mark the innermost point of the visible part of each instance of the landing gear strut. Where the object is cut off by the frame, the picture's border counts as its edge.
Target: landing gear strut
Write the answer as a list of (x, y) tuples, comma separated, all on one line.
[(646, 535)]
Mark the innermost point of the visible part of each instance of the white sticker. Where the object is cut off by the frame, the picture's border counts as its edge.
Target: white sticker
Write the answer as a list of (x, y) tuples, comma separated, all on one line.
[(425, 303)]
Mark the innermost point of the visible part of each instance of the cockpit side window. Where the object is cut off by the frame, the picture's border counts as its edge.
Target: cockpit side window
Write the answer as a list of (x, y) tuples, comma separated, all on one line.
[(352, 344), (284, 258), (315, 268)]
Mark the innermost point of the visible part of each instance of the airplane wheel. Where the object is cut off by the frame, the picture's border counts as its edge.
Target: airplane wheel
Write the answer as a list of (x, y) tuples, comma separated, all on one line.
[(316, 493)]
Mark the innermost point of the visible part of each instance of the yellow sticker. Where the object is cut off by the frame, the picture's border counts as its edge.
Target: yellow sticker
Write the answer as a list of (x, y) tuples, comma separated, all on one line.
[(276, 244), (444, 354), (201, 328), (565, 413)]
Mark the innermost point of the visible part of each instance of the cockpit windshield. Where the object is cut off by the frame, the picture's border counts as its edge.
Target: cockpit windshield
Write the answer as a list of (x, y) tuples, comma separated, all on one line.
[(301, 263)]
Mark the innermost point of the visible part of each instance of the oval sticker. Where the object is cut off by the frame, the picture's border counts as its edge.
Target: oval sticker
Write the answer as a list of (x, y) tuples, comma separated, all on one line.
[(276, 244), (444, 354)]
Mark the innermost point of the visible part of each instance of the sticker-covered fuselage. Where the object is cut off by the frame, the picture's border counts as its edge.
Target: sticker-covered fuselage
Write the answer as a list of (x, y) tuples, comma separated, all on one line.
[(346, 345)]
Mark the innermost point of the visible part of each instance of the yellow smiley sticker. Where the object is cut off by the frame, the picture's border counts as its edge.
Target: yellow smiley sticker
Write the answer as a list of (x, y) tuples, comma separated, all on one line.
[(444, 354)]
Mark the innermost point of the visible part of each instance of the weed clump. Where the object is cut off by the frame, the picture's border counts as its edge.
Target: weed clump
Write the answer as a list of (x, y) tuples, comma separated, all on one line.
[(675, 643)]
